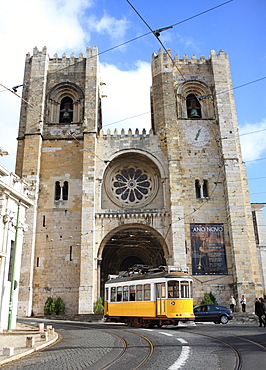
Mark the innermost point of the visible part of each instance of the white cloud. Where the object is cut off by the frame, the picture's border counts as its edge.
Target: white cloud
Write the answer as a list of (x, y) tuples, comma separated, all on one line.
[(128, 95), (253, 145), (56, 24), (114, 28)]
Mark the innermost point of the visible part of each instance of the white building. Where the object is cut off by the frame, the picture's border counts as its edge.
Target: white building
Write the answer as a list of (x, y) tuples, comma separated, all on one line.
[(14, 200)]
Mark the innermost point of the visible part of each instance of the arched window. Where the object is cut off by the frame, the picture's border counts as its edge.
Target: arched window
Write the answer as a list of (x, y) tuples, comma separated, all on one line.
[(197, 189), (65, 191), (205, 189), (201, 189), (193, 107), (57, 190), (65, 104), (61, 192), (66, 110), (194, 100)]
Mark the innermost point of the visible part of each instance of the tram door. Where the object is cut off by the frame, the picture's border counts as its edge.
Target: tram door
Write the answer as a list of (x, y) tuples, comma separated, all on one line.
[(161, 295)]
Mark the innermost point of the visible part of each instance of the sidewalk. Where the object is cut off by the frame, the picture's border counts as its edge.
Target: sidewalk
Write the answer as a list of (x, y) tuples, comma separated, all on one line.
[(16, 340)]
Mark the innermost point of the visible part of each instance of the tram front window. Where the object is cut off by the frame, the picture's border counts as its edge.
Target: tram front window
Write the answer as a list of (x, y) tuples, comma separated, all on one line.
[(184, 289), (173, 289)]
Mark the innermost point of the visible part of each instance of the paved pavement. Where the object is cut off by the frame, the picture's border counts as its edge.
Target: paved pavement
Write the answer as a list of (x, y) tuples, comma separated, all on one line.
[(23, 341), (16, 339)]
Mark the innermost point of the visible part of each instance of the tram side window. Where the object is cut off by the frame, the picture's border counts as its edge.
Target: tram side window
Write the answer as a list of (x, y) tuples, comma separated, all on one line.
[(113, 294), (184, 289), (139, 293), (119, 294), (147, 292), (106, 294), (173, 289), (132, 293), (191, 290), (163, 290), (125, 293)]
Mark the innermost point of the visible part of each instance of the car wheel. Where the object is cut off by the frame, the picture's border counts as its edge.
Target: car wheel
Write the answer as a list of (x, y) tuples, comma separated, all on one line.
[(224, 319)]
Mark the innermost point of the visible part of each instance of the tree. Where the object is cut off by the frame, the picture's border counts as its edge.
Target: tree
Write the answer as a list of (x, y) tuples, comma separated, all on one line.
[(209, 299)]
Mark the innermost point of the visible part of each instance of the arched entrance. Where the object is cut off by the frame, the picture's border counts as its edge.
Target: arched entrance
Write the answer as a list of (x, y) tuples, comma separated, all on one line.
[(129, 245)]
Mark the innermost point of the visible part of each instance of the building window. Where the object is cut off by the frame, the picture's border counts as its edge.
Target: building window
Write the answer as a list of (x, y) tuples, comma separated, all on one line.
[(65, 103), (65, 191), (11, 260), (61, 192), (205, 189), (193, 107), (66, 110), (197, 189), (201, 189), (255, 225)]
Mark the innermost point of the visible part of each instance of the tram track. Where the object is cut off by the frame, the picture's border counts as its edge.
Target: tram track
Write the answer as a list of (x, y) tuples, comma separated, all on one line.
[(237, 352), (129, 349), (126, 349), (238, 356), (128, 346)]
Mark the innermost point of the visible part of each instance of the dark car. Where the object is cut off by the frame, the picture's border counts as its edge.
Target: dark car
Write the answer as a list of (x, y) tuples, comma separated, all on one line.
[(213, 312)]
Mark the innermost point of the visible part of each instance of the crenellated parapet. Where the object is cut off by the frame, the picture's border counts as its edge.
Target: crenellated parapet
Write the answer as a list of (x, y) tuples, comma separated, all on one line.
[(123, 133), (166, 60)]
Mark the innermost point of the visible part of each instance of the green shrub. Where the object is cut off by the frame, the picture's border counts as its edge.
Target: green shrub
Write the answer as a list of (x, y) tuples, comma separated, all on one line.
[(59, 306), (209, 299), (49, 306), (98, 308)]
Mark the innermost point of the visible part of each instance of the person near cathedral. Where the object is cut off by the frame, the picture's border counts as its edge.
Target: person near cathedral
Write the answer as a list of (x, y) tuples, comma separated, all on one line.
[(259, 311), (232, 302), (263, 302), (243, 303)]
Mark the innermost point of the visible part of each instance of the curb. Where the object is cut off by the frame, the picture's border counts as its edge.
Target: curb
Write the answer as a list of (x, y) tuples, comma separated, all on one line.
[(30, 351)]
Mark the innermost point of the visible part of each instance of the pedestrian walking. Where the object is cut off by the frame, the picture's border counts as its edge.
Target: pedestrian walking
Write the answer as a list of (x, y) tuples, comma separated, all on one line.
[(259, 311), (243, 303), (232, 302), (263, 302)]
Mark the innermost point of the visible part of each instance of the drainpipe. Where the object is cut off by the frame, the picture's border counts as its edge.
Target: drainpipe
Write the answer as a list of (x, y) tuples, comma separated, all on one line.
[(14, 282)]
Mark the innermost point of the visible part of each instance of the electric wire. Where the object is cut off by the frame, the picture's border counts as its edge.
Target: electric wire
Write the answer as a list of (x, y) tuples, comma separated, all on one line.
[(147, 112), (138, 37)]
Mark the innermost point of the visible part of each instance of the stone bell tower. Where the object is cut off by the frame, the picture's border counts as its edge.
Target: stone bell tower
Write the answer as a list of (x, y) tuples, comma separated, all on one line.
[(193, 113), (60, 116)]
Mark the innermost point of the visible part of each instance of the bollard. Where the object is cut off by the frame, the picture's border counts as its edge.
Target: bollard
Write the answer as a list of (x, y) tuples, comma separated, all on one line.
[(8, 351), (30, 341), (41, 326), (44, 336), (51, 332)]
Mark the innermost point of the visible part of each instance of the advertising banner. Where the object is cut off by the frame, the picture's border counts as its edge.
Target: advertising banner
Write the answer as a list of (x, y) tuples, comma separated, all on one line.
[(208, 249)]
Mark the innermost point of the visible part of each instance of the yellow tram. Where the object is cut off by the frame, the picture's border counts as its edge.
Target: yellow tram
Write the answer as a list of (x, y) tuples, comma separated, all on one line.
[(148, 297)]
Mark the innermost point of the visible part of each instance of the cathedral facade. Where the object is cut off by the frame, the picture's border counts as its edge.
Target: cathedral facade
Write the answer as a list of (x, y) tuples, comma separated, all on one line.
[(174, 195)]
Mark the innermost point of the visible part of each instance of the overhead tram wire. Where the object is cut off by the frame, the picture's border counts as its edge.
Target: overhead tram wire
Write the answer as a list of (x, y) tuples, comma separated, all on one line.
[(138, 37), (156, 34), (117, 46)]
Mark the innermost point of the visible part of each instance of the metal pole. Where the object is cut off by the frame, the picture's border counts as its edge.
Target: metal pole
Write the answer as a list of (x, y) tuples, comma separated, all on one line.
[(13, 281)]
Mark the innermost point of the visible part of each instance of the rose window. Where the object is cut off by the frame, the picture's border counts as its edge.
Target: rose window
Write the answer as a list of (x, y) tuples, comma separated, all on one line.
[(132, 184)]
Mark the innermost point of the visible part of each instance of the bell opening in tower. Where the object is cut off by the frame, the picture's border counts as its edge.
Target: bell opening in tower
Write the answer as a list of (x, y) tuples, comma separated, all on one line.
[(66, 110)]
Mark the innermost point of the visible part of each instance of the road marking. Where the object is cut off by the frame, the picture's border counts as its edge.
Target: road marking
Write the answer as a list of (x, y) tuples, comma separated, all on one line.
[(183, 356), (162, 332)]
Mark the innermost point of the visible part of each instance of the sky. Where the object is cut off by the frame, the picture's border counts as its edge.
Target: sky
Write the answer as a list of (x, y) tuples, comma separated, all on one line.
[(66, 26)]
